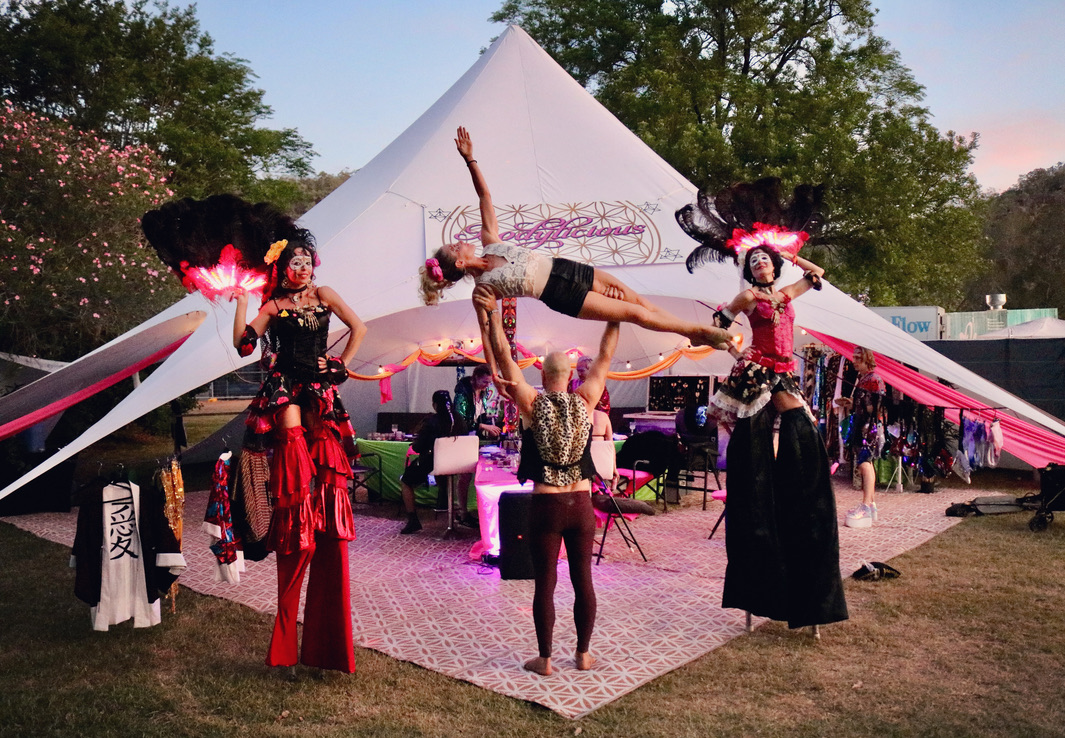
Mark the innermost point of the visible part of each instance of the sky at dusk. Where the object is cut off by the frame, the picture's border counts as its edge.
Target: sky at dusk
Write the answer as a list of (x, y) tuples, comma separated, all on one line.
[(352, 75)]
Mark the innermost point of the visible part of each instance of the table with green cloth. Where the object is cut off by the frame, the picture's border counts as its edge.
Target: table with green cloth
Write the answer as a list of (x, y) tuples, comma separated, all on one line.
[(392, 457)]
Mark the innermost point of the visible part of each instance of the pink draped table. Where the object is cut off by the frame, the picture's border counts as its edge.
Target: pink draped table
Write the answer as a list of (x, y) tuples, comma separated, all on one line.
[(493, 477)]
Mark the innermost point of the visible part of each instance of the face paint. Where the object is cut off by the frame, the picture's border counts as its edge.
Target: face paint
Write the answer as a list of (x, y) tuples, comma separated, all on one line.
[(760, 258)]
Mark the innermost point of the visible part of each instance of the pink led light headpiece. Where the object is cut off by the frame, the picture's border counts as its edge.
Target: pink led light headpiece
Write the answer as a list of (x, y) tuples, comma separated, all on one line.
[(784, 242)]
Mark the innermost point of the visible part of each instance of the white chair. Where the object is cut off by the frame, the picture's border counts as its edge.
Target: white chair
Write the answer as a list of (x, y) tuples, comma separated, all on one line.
[(454, 455), (604, 459)]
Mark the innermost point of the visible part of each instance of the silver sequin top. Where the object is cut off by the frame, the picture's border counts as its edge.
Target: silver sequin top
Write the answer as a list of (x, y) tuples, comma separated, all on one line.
[(524, 274)]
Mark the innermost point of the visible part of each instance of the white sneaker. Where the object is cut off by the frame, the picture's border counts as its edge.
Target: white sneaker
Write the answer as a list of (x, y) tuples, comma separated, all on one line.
[(876, 513), (860, 517)]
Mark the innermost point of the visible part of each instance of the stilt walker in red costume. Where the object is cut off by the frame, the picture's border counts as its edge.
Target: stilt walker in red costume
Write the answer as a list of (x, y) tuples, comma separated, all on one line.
[(297, 412), (781, 534)]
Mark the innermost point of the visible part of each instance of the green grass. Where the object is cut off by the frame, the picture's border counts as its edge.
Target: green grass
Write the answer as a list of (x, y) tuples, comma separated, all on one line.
[(142, 452), (970, 641)]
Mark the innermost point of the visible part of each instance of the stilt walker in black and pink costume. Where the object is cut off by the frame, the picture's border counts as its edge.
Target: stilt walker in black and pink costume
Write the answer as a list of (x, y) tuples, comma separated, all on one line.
[(297, 413), (781, 533)]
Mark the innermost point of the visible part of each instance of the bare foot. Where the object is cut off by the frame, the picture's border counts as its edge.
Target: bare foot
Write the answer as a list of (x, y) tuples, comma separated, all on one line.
[(585, 660), (540, 665)]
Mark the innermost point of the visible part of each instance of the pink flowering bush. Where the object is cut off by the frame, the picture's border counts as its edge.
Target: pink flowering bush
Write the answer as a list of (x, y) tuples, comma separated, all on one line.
[(75, 270)]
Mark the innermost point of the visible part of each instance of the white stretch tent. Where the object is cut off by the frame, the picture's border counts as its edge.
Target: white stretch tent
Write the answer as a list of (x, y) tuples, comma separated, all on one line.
[(1038, 328), (549, 150)]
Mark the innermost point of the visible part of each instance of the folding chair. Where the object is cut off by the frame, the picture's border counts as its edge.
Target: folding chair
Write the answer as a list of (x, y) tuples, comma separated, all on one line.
[(454, 455), (645, 459), (722, 496), (603, 458), (367, 468), (700, 444)]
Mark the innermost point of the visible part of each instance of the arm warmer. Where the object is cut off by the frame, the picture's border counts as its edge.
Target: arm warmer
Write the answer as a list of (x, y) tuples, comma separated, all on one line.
[(247, 341), (723, 318)]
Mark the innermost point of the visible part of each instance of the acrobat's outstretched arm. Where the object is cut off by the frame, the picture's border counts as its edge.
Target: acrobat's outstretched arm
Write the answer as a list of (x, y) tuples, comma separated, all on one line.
[(489, 223)]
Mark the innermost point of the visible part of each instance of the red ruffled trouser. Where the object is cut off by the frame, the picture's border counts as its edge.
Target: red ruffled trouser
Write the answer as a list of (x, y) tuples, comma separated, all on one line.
[(327, 637)]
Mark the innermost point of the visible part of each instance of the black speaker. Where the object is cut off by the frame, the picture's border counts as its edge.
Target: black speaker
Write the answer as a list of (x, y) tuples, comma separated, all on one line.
[(515, 557), (1052, 486)]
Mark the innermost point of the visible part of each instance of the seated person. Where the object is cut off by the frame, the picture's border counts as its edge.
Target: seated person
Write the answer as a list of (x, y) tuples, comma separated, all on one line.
[(441, 423)]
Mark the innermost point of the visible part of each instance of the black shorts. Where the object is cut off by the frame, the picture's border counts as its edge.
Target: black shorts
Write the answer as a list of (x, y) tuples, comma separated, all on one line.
[(417, 472), (569, 283)]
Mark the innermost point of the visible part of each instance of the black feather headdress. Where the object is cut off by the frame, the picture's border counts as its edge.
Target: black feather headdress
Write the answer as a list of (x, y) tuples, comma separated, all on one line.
[(221, 242), (749, 214)]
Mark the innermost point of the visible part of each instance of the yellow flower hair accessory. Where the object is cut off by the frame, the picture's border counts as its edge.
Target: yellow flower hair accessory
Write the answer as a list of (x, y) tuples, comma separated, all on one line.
[(275, 251)]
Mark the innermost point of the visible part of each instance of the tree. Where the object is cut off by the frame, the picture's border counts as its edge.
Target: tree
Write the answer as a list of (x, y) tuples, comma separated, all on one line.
[(141, 78), (74, 269), (1026, 227), (729, 90), (297, 195)]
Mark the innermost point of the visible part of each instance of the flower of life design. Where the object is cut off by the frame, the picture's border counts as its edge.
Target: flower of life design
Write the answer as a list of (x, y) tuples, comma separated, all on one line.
[(598, 233)]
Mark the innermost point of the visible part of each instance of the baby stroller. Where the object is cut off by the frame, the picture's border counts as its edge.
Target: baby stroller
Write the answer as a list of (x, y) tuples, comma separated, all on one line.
[(1051, 497)]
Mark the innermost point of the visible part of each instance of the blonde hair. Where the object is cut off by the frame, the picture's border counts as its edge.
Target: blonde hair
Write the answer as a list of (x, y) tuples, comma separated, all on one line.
[(430, 289), (556, 364), (866, 356)]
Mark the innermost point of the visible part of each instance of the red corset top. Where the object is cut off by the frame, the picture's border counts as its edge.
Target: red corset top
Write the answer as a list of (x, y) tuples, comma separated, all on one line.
[(773, 326)]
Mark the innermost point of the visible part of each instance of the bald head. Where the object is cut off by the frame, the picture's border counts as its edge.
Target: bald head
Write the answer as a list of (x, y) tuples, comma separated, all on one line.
[(556, 371)]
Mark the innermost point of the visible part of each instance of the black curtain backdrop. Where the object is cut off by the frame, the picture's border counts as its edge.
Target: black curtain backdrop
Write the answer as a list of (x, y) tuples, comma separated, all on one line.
[(1031, 368)]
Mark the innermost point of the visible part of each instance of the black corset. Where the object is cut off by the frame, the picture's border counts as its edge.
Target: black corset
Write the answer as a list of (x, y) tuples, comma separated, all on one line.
[(300, 338)]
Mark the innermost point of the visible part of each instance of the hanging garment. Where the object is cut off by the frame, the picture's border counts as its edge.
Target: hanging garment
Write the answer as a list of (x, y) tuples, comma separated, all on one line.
[(218, 523), (125, 555), (250, 500), (169, 478), (995, 446)]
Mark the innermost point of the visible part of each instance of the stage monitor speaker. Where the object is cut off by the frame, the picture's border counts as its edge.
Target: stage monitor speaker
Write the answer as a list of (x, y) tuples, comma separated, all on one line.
[(515, 557), (1052, 486)]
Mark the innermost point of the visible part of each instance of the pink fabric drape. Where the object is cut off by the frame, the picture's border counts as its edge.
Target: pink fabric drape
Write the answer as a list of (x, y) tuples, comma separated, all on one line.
[(1025, 440), (17, 426)]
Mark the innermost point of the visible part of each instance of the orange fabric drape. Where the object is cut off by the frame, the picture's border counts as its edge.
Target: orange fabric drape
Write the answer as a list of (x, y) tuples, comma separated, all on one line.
[(530, 359)]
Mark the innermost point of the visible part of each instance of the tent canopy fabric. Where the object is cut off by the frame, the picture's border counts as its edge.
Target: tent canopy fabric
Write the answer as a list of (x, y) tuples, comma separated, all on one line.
[(566, 176), (73, 382), (1038, 328)]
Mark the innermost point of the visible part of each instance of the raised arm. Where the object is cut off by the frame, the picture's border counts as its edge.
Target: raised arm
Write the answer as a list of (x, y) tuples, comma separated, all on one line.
[(595, 380), (486, 338), (488, 315), (489, 224), (259, 324), (811, 278)]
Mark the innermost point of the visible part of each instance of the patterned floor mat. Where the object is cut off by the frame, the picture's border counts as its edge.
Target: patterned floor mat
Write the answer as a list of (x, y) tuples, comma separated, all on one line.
[(421, 599)]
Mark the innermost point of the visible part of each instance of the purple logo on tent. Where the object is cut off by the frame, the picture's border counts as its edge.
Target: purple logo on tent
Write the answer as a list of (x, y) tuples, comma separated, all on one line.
[(600, 233)]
